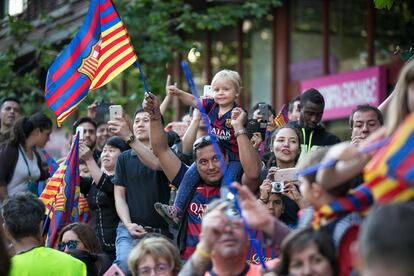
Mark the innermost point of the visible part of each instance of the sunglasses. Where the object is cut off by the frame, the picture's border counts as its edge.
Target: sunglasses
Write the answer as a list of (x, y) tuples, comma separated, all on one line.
[(202, 142), (72, 244)]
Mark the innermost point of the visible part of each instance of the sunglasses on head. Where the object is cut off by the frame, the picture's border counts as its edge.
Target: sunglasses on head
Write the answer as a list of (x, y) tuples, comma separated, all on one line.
[(72, 244), (202, 141)]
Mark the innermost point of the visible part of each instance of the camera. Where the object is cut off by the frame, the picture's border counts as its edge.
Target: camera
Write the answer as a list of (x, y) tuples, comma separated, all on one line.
[(231, 211), (255, 126), (278, 187)]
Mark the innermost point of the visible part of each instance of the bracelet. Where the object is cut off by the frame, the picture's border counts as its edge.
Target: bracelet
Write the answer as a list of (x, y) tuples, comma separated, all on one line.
[(240, 132), (155, 116), (200, 250), (265, 201)]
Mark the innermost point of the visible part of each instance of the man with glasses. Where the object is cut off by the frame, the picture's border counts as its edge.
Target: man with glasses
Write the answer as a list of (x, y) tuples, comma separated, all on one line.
[(208, 163), (23, 215)]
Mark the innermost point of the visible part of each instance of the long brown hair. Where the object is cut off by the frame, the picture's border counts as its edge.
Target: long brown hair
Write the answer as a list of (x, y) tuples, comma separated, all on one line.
[(398, 108)]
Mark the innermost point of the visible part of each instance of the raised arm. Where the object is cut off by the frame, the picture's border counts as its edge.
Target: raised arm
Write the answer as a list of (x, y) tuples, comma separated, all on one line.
[(350, 162), (120, 128), (86, 154), (184, 97), (168, 161), (249, 158), (191, 133), (168, 98)]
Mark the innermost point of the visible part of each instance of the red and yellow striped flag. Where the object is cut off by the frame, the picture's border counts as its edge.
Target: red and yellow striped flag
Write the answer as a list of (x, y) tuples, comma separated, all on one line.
[(390, 173)]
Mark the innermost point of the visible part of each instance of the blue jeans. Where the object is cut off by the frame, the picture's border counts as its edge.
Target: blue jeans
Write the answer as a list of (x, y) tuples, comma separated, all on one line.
[(124, 243)]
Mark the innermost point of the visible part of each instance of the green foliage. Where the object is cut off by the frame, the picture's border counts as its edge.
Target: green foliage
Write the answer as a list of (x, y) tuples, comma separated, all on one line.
[(158, 30), (382, 4)]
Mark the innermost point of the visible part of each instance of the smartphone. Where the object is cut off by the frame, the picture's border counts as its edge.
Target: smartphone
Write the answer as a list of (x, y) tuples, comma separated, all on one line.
[(114, 270), (80, 130), (264, 111), (290, 174), (115, 111), (102, 112), (208, 91)]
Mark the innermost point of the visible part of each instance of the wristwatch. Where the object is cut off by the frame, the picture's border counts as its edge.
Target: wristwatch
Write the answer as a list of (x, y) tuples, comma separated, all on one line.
[(240, 132), (131, 139)]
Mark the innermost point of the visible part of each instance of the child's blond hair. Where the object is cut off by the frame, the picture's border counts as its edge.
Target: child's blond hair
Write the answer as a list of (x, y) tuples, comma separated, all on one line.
[(230, 75)]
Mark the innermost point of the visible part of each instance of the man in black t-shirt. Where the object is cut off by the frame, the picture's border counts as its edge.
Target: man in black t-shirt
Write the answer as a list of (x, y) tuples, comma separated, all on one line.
[(139, 183)]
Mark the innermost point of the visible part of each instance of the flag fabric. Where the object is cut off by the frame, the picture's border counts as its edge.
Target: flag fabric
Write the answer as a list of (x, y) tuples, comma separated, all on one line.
[(359, 200), (282, 117), (98, 53), (390, 173), (52, 166), (61, 195)]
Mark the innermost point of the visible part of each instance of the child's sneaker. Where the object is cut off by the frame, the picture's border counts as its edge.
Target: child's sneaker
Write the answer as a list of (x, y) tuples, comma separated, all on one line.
[(168, 213)]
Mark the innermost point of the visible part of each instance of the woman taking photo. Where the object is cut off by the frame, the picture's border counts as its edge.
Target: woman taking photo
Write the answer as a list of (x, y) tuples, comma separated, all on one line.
[(21, 165), (99, 191), (285, 153)]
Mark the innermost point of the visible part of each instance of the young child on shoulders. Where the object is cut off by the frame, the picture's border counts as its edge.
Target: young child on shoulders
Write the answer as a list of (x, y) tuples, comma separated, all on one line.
[(226, 86)]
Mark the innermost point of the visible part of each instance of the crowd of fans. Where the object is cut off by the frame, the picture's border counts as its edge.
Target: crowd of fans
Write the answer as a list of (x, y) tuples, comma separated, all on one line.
[(160, 201)]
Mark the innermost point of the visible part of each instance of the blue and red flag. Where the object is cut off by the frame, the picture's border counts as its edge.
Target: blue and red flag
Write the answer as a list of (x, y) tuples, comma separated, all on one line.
[(62, 195), (98, 53), (52, 166), (281, 118), (390, 173)]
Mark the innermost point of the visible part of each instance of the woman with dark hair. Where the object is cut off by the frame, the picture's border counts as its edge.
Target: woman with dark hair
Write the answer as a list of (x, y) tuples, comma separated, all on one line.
[(285, 153), (80, 241), (21, 164), (99, 191), (308, 252)]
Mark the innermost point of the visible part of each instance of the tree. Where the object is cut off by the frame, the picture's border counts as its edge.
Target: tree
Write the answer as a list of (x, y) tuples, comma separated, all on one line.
[(159, 30)]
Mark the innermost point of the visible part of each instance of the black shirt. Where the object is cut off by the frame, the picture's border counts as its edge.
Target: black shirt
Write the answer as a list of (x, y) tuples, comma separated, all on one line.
[(101, 202), (143, 187)]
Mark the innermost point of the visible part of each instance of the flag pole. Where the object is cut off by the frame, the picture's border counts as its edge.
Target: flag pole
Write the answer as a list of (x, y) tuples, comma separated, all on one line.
[(142, 76)]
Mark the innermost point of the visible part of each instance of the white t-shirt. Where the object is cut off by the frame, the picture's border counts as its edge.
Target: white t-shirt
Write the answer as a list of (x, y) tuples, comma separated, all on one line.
[(21, 178)]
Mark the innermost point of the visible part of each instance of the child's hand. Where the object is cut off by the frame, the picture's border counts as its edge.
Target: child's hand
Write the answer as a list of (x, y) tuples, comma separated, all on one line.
[(172, 90), (238, 118)]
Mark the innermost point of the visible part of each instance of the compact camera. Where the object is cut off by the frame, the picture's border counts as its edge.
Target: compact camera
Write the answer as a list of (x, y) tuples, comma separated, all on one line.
[(278, 187)]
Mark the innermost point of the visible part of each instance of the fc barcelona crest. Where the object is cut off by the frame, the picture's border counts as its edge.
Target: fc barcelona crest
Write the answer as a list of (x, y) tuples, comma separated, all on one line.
[(228, 123)]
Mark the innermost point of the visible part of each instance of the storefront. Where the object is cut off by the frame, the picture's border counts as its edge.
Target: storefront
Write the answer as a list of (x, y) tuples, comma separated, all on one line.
[(304, 40)]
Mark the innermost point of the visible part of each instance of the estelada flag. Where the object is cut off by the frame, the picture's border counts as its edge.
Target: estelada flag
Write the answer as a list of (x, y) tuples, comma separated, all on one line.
[(282, 117), (98, 53), (390, 173), (61, 196)]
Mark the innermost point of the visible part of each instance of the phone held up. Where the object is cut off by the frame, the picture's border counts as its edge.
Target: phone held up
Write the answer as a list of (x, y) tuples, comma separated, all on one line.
[(115, 111), (281, 176), (208, 91)]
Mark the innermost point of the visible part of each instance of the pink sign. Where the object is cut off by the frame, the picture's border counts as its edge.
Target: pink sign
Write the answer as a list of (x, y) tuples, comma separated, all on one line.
[(343, 92)]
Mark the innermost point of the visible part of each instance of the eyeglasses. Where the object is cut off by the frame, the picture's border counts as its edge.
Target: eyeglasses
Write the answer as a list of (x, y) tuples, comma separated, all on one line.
[(201, 142), (158, 269), (72, 244)]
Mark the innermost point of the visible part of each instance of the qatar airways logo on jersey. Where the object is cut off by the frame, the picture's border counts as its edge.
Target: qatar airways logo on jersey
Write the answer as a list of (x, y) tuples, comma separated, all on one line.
[(221, 134), (197, 209)]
